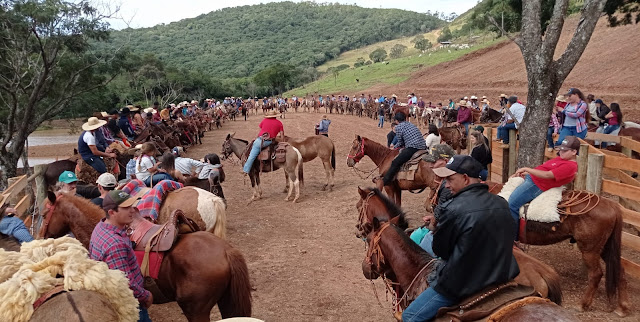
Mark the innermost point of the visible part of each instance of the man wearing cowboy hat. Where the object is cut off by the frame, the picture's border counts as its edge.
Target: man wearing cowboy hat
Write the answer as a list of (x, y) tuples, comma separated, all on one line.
[(323, 126), (88, 146), (464, 116), (270, 128)]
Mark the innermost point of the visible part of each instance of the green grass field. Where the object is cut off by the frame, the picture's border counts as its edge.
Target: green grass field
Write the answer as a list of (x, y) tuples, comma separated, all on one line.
[(397, 71)]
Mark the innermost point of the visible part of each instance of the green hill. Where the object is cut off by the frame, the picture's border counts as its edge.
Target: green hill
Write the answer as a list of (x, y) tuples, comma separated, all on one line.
[(240, 41)]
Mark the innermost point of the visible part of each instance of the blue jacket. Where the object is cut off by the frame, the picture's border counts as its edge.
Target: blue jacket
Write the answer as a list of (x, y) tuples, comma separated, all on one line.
[(324, 126), (125, 126)]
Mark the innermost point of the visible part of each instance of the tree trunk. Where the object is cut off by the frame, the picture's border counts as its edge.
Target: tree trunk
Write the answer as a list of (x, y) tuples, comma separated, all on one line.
[(9, 164)]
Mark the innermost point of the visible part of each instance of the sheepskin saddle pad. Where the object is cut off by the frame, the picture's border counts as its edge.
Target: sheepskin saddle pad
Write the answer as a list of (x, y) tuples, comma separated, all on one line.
[(42, 265), (543, 208)]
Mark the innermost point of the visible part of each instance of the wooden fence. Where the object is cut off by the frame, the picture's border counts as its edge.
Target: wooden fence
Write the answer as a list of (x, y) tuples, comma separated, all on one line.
[(599, 171), (22, 198)]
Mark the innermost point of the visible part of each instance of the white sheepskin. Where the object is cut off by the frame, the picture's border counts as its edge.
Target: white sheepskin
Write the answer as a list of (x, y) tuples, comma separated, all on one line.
[(543, 209), (629, 124), (27, 275)]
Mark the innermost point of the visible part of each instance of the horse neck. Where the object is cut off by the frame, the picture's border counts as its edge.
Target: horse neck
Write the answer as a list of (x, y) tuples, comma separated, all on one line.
[(80, 223), (404, 261), (376, 151)]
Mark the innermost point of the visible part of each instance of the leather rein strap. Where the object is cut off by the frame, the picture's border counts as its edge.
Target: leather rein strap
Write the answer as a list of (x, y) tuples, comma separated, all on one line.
[(358, 155), (50, 210)]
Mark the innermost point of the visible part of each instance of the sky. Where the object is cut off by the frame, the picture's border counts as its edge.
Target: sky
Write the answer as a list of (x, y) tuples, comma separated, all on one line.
[(147, 13)]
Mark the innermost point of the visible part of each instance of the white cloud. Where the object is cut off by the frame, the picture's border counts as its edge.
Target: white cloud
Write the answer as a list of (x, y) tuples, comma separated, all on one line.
[(147, 13)]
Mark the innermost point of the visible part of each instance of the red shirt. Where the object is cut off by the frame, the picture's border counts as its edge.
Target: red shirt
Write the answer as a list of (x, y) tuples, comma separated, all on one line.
[(272, 126), (614, 119), (563, 170)]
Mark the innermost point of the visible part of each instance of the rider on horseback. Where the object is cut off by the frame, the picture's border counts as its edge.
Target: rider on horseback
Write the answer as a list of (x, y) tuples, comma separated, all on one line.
[(473, 238), (410, 140), (91, 145), (270, 128)]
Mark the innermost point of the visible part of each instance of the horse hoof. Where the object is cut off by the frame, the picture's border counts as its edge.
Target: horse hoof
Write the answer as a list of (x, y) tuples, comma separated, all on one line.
[(621, 312), (285, 190)]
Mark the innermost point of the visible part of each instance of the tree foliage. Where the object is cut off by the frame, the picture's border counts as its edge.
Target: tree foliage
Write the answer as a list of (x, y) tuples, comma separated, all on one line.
[(275, 77), (378, 55), (397, 50), (359, 62), (445, 35), (420, 43)]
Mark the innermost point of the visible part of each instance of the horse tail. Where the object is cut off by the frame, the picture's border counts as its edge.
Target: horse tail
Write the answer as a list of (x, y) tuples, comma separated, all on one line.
[(220, 227), (333, 157), (611, 256), (554, 289), (236, 300)]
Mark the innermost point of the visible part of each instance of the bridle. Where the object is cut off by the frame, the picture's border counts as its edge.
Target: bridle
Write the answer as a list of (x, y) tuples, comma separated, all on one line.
[(358, 155), (363, 214), (48, 215), (226, 149)]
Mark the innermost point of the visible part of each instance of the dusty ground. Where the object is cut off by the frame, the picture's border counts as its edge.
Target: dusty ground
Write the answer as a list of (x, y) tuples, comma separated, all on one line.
[(303, 258)]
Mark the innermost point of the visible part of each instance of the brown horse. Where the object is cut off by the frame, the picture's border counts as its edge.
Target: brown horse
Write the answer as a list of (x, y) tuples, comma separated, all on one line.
[(394, 256), (199, 271), (454, 136), (292, 166), (598, 234), (542, 277), (382, 157), (317, 146)]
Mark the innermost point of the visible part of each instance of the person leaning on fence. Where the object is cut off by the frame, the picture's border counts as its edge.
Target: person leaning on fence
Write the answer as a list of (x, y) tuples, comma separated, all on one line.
[(270, 128), (551, 174), (514, 113), (575, 116)]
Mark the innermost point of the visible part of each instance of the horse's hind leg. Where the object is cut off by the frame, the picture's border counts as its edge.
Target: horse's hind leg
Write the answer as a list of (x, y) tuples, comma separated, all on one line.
[(286, 184), (329, 172), (592, 261)]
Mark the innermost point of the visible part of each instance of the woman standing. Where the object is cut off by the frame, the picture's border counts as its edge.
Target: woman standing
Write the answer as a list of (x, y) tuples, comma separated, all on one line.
[(433, 138), (575, 113), (147, 168), (481, 153), (554, 126), (614, 119)]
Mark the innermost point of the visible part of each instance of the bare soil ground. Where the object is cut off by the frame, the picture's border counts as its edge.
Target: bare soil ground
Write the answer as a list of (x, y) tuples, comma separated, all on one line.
[(304, 259), (608, 69)]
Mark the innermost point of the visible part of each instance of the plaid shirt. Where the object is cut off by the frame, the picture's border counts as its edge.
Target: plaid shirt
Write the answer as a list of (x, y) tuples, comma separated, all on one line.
[(111, 245), (409, 137), (578, 112)]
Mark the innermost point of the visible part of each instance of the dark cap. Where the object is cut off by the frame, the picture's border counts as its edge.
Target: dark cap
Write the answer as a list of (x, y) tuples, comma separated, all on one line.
[(113, 112), (570, 143), (513, 99), (571, 91), (118, 198), (440, 151), (462, 164), (599, 101), (479, 128), (125, 110)]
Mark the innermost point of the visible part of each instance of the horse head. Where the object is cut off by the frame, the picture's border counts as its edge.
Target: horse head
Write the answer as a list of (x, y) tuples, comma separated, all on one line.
[(357, 151), (373, 205), (227, 149), (374, 263), (54, 223)]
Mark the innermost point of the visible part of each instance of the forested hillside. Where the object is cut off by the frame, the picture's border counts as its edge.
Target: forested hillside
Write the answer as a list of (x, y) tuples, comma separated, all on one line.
[(239, 42)]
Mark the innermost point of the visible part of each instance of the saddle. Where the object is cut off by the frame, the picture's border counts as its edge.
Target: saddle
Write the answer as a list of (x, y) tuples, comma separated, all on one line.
[(160, 238), (483, 305), (269, 153), (408, 170)]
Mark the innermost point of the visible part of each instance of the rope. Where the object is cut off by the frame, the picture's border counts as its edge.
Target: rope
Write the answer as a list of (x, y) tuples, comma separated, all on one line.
[(574, 199), (406, 292), (357, 171)]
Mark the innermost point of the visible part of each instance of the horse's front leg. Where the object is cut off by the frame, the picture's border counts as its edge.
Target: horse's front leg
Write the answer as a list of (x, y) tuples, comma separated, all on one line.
[(286, 184)]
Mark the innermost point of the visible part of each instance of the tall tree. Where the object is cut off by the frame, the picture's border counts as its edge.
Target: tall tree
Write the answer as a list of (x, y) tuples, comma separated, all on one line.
[(276, 77), (46, 60)]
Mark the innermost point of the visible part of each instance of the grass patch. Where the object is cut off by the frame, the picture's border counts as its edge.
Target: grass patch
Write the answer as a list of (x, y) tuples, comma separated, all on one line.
[(396, 71)]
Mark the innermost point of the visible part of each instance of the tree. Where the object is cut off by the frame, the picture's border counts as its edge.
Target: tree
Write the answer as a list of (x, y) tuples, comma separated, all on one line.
[(445, 35), (397, 50), (47, 61), (275, 77), (545, 74), (359, 62), (378, 55), (420, 43)]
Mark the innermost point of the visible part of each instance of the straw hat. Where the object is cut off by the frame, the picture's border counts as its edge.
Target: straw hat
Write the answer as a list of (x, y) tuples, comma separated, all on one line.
[(473, 97), (484, 97), (486, 101), (463, 103), (132, 108), (104, 114), (271, 115), (469, 104), (93, 123), (194, 102), (561, 98), (150, 110), (394, 95), (466, 98), (324, 117), (503, 95)]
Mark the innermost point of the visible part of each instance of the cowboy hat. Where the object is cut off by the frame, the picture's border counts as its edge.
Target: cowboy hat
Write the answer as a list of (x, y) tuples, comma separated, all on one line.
[(466, 98), (463, 103), (486, 101), (473, 97), (324, 117), (484, 97), (271, 115), (194, 102), (469, 104), (394, 95), (104, 114), (150, 110), (503, 95), (561, 98), (92, 124)]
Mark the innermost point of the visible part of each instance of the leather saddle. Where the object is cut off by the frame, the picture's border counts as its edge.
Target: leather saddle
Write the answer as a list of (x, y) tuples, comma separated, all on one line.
[(408, 169), (160, 238), (483, 304)]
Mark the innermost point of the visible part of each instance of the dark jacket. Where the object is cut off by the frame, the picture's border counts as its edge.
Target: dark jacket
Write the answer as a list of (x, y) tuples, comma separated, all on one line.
[(475, 239), (125, 126), (602, 112), (482, 154)]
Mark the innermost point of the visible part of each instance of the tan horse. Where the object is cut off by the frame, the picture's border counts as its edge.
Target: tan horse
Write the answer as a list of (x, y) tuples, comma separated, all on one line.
[(76, 306), (382, 157), (200, 271), (317, 146)]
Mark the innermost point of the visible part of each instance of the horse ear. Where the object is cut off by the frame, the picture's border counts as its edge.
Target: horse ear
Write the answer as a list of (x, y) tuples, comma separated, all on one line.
[(376, 223), (363, 193), (358, 137), (228, 136), (394, 220), (51, 196)]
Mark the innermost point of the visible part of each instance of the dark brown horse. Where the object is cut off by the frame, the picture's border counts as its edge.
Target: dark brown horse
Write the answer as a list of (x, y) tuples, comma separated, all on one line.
[(199, 271), (542, 277), (317, 146), (490, 115), (392, 255), (598, 234), (454, 136), (382, 157)]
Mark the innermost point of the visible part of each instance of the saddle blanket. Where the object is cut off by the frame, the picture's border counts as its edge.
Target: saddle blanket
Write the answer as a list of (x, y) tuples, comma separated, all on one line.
[(408, 170), (543, 208), (155, 261), (150, 203)]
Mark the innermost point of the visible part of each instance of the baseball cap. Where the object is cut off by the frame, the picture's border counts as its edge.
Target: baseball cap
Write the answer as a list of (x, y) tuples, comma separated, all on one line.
[(118, 198), (570, 143), (67, 177), (463, 164), (479, 128), (107, 180), (571, 91), (599, 101)]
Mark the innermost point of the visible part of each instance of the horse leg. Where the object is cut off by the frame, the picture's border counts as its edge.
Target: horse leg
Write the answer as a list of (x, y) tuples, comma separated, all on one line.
[(286, 182), (327, 171), (592, 261), (290, 185)]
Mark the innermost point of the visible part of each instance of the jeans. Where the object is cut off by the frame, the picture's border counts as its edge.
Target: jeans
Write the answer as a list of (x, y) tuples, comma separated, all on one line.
[(325, 134), (599, 130), (550, 131), (157, 177), (503, 132), (524, 193), (570, 131), (427, 244), (483, 174), (425, 306), (144, 315), (13, 226), (466, 127), (380, 121), (608, 130), (255, 150), (97, 163), (403, 157)]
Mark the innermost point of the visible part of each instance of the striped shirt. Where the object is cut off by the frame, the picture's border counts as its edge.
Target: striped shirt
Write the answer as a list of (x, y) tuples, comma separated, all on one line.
[(577, 111), (409, 136), (111, 245)]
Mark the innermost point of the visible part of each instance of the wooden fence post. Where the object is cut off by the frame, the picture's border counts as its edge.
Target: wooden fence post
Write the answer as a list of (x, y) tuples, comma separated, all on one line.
[(513, 153), (594, 175), (489, 135), (583, 165)]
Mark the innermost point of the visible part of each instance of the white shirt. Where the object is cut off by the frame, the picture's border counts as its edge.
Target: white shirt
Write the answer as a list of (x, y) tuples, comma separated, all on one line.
[(142, 167), (89, 138), (184, 165), (432, 140), (517, 110)]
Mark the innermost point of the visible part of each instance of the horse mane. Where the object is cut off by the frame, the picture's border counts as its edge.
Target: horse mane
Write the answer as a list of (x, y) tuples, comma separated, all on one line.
[(409, 246), (85, 206), (393, 209), (241, 140)]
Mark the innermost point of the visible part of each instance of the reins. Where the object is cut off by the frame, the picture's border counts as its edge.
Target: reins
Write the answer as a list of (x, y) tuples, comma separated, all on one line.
[(50, 210)]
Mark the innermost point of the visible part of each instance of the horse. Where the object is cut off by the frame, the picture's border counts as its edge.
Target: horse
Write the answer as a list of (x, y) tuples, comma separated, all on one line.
[(199, 270), (598, 234), (317, 146), (392, 255), (454, 137), (292, 166), (372, 204), (382, 157), (490, 115)]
